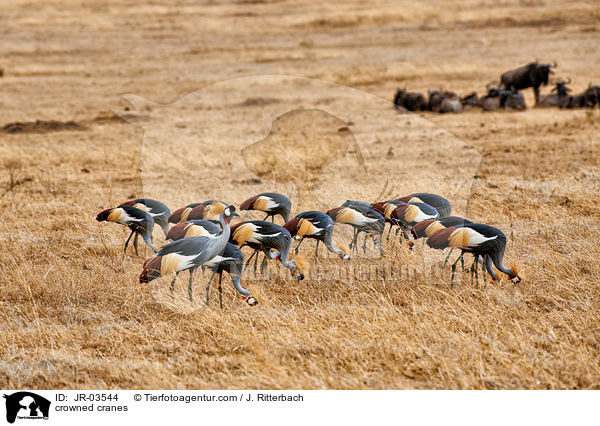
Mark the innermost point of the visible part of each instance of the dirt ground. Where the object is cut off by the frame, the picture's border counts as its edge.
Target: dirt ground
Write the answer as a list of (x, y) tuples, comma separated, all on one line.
[(72, 312)]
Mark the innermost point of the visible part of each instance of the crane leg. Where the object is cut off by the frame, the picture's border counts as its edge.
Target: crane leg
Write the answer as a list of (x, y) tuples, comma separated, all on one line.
[(353, 242), (454, 270), (249, 259), (192, 273), (256, 263), (447, 257), (317, 250), (389, 232), (127, 242), (377, 243), (298, 246), (264, 265), (273, 218), (172, 286), (135, 242), (220, 291), (365, 243), (208, 285), (266, 217), (484, 270)]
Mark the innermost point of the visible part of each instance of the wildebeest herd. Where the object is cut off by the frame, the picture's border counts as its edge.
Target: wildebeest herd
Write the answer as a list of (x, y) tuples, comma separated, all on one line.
[(507, 95)]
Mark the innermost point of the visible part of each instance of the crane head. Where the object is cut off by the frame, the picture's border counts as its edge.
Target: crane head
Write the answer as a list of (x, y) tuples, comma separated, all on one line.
[(514, 277), (300, 268), (250, 300), (345, 255), (228, 213)]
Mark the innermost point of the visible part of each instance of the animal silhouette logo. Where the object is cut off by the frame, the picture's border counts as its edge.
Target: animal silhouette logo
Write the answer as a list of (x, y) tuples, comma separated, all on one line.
[(26, 405), (306, 138)]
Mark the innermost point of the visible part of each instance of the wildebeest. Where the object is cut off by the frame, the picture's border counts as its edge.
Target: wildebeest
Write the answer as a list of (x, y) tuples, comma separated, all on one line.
[(593, 94), (491, 101), (512, 99), (443, 101), (409, 100), (531, 75), (502, 99), (450, 103), (435, 100), (588, 99), (560, 98), (470, 101)]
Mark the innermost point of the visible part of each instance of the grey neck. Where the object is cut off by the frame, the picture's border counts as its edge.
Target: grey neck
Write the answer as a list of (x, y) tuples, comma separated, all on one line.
[(497, 259), (331, 248)]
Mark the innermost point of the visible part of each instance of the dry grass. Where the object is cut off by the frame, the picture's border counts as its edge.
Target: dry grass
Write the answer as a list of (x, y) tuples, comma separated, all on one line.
[(73, 314)]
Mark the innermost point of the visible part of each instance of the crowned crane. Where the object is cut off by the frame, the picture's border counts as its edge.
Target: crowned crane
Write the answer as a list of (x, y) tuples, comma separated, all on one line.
[(159, 211), (318, 226), (271, 239), (358, 205), (208, 210), (362, 220), (138, 221), (429, 227), (479, 240), (385, 208), (271, 203), (187, 254), (407, 215), (442, 205), (194, 228), (181, 214), (232, 262)]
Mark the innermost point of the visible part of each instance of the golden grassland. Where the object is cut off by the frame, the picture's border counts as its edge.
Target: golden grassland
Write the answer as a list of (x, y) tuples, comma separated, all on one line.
[(73, 314)]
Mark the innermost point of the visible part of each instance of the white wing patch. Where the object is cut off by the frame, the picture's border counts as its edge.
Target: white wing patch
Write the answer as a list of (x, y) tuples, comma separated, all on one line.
[(270, 203), (362, 219), (315, 230), (124, 218), (475, 238), (214, 262), (420, 217)]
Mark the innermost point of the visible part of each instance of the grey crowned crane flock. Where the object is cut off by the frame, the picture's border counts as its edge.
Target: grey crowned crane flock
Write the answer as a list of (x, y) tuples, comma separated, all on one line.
[(200, 235)]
